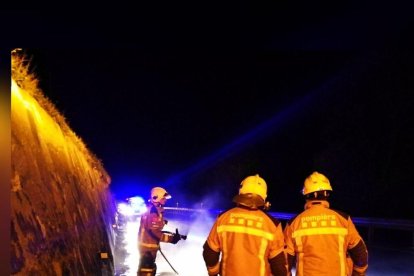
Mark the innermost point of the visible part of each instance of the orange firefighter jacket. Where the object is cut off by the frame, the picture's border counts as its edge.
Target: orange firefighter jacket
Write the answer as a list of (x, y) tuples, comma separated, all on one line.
[(247, 240), (150, 230), (320, 239)]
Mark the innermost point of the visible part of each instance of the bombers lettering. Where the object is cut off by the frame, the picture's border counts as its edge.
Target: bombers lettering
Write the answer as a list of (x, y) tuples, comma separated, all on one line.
[(318, 218), (245, 216)]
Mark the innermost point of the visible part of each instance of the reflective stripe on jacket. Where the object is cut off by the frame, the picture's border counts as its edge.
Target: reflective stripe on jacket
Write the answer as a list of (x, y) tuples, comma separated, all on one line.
[(320, 238), (150, 229), (247, 240)]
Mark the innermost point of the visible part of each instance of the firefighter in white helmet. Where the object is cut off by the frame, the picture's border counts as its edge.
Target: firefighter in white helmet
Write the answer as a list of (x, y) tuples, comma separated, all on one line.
[(249, 240), (320, 238), (150, 232)]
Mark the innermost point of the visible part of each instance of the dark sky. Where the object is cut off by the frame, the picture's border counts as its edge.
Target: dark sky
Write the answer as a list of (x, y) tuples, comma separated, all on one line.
[(195, 103)]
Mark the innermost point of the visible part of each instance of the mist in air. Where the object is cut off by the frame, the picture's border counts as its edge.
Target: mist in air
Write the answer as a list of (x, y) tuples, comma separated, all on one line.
[(185, 256)]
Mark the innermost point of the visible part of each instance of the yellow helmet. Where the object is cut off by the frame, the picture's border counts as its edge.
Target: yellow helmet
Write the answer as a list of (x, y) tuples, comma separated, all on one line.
[(316, 182), (158, 193), (254, 185)]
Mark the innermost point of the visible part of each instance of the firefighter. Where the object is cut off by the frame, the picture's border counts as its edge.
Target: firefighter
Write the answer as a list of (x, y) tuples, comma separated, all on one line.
[(320, 238), (150, 232), (248, 239)]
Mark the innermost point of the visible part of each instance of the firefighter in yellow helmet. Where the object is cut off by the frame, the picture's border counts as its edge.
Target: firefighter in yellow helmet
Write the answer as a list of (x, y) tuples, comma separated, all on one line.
[(150, 232), (249, 240), (321, 238)]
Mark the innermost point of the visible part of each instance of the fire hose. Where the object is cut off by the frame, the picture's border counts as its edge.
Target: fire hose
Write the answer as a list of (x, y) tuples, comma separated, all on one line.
[(181, 237)]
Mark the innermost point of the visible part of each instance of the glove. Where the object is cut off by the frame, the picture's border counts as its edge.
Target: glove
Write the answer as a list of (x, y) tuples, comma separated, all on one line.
[(175, 238)]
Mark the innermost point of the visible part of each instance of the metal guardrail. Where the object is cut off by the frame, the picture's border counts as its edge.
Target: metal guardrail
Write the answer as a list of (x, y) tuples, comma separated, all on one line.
[(398, 224), (370, 223)]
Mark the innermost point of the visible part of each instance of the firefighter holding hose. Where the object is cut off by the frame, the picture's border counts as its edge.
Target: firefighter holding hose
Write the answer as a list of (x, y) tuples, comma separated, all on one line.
[(150, 232)]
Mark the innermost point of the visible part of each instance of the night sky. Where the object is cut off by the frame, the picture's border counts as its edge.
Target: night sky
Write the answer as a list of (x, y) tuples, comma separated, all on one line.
[(196, 104)]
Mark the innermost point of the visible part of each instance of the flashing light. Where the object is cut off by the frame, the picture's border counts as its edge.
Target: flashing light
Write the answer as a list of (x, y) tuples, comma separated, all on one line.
[(137, 204), (134, 206)]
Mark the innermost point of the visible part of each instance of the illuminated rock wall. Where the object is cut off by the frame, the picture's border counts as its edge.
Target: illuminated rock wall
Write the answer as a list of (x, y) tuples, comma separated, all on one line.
[(60, 203)]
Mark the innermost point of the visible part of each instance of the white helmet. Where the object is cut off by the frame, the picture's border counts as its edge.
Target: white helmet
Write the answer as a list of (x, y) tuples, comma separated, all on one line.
[(254, 185), (316, 182), (158, 193)]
